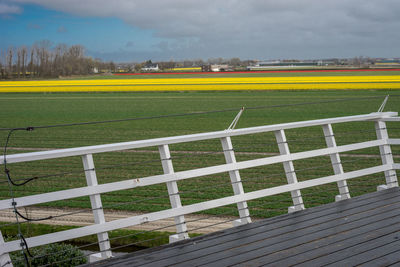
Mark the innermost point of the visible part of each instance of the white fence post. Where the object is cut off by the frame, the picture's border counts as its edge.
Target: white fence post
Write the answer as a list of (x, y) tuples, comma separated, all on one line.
[(4, 258), (336, 163), (98, 212), (386, 156), (289, 171), (93, 190), (173, 193), (236, 182)]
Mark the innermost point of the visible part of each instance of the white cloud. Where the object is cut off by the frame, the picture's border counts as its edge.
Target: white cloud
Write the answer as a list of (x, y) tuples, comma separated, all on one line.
[(252, 27), (9, 9)]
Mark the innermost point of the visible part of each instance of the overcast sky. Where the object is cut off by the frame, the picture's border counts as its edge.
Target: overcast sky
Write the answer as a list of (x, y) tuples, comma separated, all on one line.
[(136, 30)]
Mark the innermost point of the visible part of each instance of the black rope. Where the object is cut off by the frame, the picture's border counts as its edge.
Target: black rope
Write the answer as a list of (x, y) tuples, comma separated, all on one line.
[(7, 171), (13, 182), (198, 190), (27, 220), (136, 234), (27, 263), (14, 204), (33, 220), (138, 242), (26, 245), (31, 128), (28, 179), (238, 149)]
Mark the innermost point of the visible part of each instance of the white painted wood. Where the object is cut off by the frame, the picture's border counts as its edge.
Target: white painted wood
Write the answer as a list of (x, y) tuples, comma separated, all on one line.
[(155, 216), (289, 171), (386, 154), (95, 257), (175, 199), (381, 187), (60, 153), (236, 181), (101, 227), (392, 141), (95, 201), (336, 162), (157, 179), (391, 119), (4, 257)]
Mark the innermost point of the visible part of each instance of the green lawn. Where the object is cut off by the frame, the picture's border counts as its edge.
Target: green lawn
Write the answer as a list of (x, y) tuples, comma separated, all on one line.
[(22, 110)]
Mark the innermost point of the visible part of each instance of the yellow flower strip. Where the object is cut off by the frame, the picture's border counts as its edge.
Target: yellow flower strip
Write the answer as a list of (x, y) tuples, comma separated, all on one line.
[(203, 87), (245, 83)]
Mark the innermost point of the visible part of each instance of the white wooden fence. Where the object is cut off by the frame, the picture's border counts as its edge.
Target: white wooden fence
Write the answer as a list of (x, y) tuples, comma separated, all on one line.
[(233, 167)]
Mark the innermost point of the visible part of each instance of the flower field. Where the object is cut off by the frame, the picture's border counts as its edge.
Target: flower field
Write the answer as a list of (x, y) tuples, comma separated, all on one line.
[(227, 82)]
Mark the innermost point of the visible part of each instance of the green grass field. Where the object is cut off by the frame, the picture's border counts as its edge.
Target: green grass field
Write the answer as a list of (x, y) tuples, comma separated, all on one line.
[(22, 110)]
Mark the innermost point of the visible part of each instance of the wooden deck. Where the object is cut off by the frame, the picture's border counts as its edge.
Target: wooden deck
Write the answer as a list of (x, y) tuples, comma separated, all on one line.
[(364, 230)]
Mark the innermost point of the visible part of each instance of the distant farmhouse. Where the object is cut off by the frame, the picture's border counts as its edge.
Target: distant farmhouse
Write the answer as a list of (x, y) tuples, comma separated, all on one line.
[(150, 67), (217, 68)]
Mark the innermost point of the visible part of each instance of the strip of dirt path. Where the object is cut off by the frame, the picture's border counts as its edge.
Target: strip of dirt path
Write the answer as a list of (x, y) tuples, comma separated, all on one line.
[(201, 224)]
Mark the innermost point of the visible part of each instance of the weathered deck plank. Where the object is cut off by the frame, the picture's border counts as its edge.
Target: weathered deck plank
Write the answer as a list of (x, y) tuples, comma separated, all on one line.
[(362, 230)]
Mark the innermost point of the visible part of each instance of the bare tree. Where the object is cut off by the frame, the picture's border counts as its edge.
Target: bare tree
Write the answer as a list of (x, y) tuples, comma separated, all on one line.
[(2, 64), (31, 66), (24, 52), (41, 60), (43, 57), (9, 61), (235, 62), (60, 56), (18, 67)]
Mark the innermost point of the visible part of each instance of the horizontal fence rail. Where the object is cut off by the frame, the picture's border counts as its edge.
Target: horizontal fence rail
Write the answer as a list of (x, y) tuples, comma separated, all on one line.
[(232, 167), (61, 153), (177, 176)]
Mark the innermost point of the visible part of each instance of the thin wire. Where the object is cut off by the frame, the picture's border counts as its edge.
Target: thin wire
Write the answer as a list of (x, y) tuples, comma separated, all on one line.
[(115, 238), (194, 229), (141, 163), (64, 125), (192, 113), (199, 190), (136, 201), (28, 179), (239, 149), (144, 232), (7, 171), (135, 243), (341, 133), (14, 204)]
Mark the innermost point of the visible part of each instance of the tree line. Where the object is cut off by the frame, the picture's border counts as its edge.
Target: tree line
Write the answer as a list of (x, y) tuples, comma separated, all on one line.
[(42, 60)]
